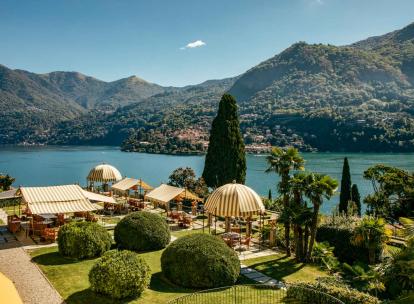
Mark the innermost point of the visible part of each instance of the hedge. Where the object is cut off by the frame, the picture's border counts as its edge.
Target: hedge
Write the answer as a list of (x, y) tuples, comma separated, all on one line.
[(200, 261), (142, 231), (120, 274), (83, 240), (311, 293), (340, 238)]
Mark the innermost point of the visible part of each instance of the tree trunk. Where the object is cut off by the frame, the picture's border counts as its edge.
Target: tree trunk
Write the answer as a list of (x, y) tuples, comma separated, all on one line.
[(287, 239), (299, 245), (305, 242), (371, 255), (314, 226)]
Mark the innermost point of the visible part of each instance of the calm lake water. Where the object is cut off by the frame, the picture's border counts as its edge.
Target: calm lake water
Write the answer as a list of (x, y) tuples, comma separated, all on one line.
[(41, 166)]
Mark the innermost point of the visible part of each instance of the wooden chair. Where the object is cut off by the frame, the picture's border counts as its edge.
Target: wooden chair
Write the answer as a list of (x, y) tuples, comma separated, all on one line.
[(246, 242), (235, 229), (49, 234)]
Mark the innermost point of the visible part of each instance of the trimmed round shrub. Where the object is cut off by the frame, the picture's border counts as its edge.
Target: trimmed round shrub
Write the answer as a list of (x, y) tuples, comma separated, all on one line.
[(83, 240), (142, 231), (120, 274), (200, 261)]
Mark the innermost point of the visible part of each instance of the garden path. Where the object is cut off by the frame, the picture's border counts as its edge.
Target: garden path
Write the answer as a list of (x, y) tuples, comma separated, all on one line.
[(259, 277), (30, 282)]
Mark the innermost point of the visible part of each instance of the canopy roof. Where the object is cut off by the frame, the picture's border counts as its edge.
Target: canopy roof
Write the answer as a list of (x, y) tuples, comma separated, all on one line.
[(95, 197), (56, 199), (187, 194), (234, 200), (165, 193), (104, 173), (9, 194), (129, 183)]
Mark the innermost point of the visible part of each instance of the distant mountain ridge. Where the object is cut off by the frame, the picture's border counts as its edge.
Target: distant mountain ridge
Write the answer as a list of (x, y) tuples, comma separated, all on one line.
[(354, 98)]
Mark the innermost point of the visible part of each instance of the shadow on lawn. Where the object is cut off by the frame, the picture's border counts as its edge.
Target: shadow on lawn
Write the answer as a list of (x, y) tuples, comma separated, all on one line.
[(52, 258), (278, 268), (161, 284), (87, 296)]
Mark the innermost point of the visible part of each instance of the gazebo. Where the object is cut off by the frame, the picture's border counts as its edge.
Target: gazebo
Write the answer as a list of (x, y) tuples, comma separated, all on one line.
[(166, 193), (104, 174), (234, 200), (127, 184)]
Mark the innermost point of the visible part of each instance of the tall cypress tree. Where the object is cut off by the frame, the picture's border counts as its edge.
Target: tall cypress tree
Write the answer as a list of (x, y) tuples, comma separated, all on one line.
[(346, 183), (356, 198), (225, 159)]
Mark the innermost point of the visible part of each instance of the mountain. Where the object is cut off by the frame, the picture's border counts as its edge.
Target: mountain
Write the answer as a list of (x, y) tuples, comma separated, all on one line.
[(398, 46), (31, 104), (358, 97)]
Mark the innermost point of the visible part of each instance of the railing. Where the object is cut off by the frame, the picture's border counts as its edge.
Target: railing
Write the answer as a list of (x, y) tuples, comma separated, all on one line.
[(256, 294)]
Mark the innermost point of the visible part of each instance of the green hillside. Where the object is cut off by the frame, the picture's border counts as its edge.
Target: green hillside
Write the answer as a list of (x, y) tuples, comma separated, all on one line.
[(331, 98)]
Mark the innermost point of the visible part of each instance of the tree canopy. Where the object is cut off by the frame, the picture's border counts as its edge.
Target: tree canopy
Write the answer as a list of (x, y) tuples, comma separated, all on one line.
[(225, 160)]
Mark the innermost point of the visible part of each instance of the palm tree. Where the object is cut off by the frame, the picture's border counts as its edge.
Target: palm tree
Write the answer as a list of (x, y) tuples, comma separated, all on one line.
[(372, 234), (282, 161), (317, 187), (300, 214)]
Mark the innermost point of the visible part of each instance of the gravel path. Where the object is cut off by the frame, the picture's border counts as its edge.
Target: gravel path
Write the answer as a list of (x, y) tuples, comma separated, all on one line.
[(30, 283)]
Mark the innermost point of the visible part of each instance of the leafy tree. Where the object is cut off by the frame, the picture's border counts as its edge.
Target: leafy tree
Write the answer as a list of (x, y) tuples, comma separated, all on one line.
[(356, 198), (225, 159), (183, 178), (346, 183), (6, 181), (393, 195), (186, 178), (372, 234), (282, 161)]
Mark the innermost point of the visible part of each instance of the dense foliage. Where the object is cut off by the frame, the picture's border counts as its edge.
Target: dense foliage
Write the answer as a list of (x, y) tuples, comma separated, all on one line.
[(120, 274), (345, 195), (393, 195), (200, 261), (308, 293), (141, 231), (371, 233), (83, 240), (340, 237), (225, 160)]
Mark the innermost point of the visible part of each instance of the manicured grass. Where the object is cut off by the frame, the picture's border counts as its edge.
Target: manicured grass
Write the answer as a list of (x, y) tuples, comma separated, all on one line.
[(70, 278), (285, 269)]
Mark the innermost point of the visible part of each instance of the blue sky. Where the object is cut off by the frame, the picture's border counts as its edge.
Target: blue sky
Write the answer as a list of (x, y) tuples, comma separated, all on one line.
[(115, 39)]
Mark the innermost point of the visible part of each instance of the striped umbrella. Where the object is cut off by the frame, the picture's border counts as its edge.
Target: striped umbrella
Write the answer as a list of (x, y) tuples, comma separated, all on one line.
[(234, 200), (104, 173)]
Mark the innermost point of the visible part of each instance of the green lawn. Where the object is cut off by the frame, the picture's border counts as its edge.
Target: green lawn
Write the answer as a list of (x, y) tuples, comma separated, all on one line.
[(70, 276), (285, 269)]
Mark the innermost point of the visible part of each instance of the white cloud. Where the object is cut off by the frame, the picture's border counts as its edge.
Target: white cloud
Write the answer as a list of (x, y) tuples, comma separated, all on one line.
[(194, 44)]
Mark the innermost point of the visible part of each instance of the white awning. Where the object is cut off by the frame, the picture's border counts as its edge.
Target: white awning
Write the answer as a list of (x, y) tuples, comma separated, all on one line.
[(95, 197), (129, 183), (56, 199), (164, 193)]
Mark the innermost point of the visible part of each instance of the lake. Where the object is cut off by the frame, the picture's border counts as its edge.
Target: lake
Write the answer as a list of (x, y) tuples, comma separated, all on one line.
[(41, 166)]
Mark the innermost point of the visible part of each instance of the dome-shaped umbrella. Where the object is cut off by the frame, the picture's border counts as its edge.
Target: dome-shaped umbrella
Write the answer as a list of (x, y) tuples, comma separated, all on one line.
[(234, 200), (104, 173)]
